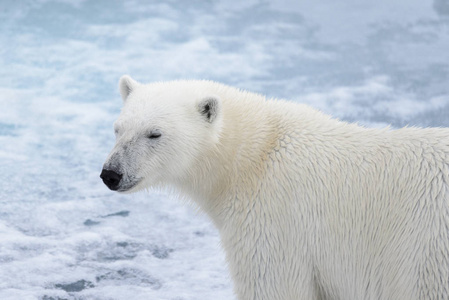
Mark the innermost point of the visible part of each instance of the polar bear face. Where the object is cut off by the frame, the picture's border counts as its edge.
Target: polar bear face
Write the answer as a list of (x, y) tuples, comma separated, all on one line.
[(163, 129)]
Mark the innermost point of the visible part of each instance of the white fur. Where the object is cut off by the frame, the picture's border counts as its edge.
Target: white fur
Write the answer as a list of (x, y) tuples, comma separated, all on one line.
[(308, 207)]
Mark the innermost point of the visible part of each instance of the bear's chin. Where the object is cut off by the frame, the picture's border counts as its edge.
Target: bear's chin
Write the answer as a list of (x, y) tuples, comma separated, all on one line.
[(131, 188)]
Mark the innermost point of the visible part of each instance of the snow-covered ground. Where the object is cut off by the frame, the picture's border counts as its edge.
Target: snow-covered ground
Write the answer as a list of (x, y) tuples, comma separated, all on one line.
[(63, 234)]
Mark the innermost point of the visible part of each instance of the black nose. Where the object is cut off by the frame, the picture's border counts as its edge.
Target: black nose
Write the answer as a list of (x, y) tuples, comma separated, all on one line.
[(111, 179)]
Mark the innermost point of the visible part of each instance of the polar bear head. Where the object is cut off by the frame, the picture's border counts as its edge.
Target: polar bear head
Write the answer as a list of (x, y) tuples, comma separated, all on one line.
[(163, 129)]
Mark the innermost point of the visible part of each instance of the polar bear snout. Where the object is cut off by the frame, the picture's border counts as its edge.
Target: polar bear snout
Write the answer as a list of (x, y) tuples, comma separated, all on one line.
[(111, 179)]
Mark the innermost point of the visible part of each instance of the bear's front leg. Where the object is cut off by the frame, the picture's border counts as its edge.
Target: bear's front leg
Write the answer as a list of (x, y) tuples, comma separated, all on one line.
[(262, 269)]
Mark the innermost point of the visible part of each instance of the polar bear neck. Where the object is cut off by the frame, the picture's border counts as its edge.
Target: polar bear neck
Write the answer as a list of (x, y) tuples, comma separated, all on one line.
[(236, 153), (252, 129)]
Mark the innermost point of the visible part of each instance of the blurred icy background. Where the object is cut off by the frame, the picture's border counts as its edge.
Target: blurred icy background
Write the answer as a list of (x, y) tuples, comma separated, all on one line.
[(63, 235)]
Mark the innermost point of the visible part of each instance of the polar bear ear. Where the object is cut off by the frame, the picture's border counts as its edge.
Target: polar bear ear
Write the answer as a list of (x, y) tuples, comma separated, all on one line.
[(126, 85), (209, 108)]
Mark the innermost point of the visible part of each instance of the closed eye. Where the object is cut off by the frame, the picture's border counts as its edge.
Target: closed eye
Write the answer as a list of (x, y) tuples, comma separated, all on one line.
[(154, 135)]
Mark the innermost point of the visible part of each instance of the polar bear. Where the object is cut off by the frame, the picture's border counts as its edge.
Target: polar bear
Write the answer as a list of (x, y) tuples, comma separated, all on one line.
[(307, 206)]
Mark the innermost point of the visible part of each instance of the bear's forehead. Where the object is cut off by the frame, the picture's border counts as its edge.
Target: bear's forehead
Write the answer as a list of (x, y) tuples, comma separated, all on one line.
[(157, 102), (143, 112), (140, 111)]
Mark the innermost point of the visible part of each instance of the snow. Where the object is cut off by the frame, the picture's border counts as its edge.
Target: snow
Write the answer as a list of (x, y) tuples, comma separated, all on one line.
[(63, 234)]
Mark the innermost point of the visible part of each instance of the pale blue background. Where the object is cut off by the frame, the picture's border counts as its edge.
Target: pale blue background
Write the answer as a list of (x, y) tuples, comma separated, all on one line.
[(63, 235)]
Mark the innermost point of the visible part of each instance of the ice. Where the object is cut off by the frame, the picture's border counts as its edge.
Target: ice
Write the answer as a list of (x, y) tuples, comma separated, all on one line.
[(63, 234)]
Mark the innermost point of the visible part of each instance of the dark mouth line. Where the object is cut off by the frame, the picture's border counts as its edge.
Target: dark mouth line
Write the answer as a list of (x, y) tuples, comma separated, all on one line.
[(129, 186)]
